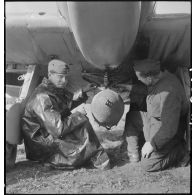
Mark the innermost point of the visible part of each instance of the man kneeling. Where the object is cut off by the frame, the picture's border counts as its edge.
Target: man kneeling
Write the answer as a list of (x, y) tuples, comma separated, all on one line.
[(163, 124), (54, 135)]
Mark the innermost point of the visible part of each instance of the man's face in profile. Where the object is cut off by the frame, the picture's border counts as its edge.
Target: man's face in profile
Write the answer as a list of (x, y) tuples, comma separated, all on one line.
[(148, 78), (143, 78), (59, 80)]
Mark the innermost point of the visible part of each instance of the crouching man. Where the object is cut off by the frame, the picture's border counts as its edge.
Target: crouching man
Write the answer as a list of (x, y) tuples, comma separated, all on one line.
[(163, 124), (52, 134)]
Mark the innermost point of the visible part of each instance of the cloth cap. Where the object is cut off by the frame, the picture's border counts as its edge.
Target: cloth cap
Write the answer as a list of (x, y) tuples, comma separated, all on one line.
[(146, 66), (58, 66)]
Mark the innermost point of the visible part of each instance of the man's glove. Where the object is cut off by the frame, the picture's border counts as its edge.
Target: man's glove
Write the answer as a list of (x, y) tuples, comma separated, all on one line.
[(80, 96)]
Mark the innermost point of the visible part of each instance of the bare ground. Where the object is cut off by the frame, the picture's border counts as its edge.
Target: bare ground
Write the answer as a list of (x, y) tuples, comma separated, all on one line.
[(33, 177)]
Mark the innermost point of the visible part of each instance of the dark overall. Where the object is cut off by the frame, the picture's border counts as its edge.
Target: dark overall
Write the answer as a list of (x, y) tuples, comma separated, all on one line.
[(52, 134)]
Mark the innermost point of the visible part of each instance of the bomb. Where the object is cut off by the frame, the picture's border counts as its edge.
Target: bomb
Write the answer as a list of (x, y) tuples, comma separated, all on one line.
[(107, 108)]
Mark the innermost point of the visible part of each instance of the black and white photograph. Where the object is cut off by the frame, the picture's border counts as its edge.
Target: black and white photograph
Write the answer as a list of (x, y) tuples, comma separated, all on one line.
[(97, 97)]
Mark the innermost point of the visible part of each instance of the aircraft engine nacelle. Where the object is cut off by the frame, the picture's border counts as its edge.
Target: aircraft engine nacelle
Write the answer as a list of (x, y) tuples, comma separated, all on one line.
[(104, 31)]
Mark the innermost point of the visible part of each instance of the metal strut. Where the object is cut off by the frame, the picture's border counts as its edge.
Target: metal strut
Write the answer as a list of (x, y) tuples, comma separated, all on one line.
[(106, 74)]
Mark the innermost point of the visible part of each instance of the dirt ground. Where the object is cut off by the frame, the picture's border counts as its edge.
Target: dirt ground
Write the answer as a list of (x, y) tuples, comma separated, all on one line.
[(124, 177)]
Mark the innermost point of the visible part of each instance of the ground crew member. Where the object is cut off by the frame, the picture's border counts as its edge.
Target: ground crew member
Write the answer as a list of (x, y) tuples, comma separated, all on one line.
[(54, 135), (163, 124)]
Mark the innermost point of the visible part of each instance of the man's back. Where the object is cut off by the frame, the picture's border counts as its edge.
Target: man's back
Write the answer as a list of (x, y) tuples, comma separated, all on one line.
[(166, 104), (169, 83)]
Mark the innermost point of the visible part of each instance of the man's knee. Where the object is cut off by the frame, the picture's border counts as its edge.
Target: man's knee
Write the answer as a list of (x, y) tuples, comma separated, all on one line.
[(150, 165), (146, 164), (160, 161)]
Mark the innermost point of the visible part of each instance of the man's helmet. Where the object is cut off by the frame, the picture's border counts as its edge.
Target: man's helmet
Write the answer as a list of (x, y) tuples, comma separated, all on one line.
[(107, 108)]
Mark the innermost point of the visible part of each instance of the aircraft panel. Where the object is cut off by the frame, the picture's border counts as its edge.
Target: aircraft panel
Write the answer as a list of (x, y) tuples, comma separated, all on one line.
[(19, 47), (169, 37)]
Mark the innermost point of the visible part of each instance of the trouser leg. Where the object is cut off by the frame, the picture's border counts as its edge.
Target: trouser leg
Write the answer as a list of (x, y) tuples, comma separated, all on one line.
[(11, 150), (164, 159), (133, 131), (80, 148), (100, 158), (133, 134)]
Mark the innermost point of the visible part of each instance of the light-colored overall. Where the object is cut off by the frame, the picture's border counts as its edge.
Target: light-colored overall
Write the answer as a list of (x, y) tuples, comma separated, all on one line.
[(163, 125)]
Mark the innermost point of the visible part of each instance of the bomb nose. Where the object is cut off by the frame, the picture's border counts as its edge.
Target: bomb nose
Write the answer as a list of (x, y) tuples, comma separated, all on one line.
[(107, 108)]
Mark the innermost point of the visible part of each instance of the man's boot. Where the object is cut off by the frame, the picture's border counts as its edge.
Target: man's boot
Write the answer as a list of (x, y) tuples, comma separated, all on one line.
[(133, 149), (101, 160)]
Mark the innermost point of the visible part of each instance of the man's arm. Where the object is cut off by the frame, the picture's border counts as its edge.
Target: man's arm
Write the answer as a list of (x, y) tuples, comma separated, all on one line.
[(52, 120), (165, 127)]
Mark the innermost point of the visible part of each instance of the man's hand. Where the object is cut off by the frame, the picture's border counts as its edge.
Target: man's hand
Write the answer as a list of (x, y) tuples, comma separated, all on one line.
[(77, 95), (82, 93), (147, 149)]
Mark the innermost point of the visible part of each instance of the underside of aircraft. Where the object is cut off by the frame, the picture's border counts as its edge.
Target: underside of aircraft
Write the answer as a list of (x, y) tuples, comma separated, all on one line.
[(100, 41)]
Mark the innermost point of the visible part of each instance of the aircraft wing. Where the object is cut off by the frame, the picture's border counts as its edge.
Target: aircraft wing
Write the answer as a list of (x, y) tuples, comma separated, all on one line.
[(34, 37)]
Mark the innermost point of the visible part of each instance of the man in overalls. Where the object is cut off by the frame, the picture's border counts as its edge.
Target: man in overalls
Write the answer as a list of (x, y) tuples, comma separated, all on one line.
[(163, 124)]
